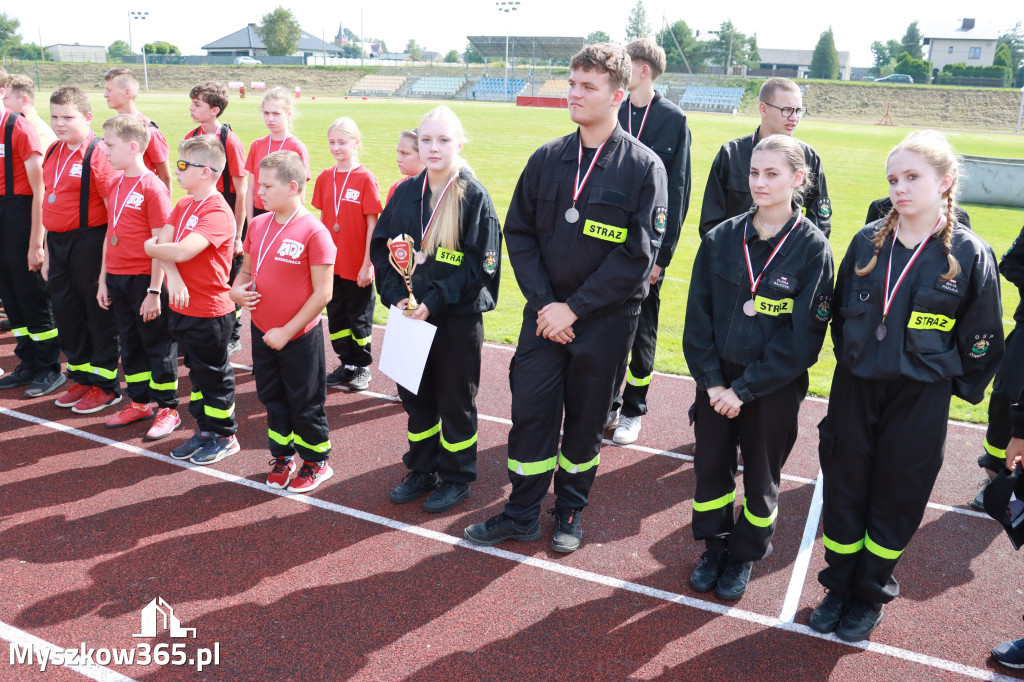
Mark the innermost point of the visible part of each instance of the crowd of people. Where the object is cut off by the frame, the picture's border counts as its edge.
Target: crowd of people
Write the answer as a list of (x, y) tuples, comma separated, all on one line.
[(98, 264)]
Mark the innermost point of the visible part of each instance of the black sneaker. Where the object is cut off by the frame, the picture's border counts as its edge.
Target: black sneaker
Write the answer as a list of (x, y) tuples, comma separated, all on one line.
[(5, 325), (191, 446), (1010, 654), (500, 528), (21, 376), (733, 581), (445, 497), (568, 530), (360, 379), (45, 383), (705, 576), (860, 621), (412, 486), (339, 376), (828, 613)]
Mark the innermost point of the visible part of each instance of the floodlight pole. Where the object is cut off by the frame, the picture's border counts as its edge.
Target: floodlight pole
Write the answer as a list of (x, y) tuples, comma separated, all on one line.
[(145, 66), (507, 6)]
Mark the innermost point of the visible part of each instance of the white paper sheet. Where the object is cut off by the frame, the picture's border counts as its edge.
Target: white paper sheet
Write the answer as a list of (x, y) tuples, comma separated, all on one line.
[(406, 347)]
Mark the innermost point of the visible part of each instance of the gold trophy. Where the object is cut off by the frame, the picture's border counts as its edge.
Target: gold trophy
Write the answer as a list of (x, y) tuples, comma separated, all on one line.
[(401, 257)]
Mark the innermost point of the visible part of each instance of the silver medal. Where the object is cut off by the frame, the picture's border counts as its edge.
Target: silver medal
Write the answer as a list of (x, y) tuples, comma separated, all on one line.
[(880, 331), (748, 308), (113, 240), (336, 227), (421, 258), (572, 215), (52, 198)]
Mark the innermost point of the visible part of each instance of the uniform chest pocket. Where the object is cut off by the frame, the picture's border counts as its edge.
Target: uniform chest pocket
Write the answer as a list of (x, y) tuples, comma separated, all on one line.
[(856, 302), (610, 207), (547, 206), (932, 320), (731, 271)]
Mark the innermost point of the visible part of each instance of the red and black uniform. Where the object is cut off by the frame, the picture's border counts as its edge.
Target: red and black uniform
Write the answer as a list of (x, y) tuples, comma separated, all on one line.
[(139, 207), (203, 327), (290, 382), (881, 443), (76, 224), (23, 292), (599, 266), (457, 287), (763, 357), (661, 126), (345, 199)]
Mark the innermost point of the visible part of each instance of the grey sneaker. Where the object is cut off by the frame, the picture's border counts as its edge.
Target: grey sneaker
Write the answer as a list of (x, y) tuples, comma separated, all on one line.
[(568, 530), (45, 383), (215, 449), (360, 380)]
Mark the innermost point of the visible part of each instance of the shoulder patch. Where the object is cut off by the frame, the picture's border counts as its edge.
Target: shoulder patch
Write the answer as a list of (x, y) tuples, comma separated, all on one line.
[(824, 207), (824, 309), (660, 218), (980, 345), (490, 262)]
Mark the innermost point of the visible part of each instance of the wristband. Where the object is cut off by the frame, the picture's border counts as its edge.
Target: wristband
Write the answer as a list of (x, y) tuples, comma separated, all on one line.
[(153, 291)]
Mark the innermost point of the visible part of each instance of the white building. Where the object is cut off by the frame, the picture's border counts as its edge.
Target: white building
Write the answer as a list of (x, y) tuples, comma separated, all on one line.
[(62, 52), (969, 42)]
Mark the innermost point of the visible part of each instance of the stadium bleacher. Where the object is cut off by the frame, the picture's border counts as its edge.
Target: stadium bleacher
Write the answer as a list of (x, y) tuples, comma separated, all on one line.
[(374, 85), (496, 89), (437, 86), (703, 98), (554, 88)]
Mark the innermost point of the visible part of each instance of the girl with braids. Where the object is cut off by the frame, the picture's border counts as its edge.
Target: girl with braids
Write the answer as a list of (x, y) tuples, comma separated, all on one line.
[(756, 317), (918, 320), (457, 245)]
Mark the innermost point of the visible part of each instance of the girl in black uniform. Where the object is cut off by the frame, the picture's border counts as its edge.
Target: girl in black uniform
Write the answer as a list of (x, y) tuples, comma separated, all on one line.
[(919, 320), (756, 317), (457, 244)]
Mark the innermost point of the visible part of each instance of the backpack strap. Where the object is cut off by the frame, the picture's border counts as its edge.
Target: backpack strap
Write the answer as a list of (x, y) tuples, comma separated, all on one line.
[(83, 199), (9, 154)]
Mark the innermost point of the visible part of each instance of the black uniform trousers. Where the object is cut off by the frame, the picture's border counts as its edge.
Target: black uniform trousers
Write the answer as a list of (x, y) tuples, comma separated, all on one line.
[(442, 416), (640, 368), (88, 333), (236, 267), (1006, 389), (765, 431), (546, 378), (292, 384), (149, 357), (205, 343), (881, 449), (24, 292), (350, 321)]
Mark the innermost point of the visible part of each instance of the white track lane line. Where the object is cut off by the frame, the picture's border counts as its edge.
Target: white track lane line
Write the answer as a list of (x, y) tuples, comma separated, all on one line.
[(803, 557), (23, 639), (542, 564)]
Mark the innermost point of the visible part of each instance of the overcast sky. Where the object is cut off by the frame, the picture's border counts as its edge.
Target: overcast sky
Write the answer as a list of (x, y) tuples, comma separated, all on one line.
[(444, 25)]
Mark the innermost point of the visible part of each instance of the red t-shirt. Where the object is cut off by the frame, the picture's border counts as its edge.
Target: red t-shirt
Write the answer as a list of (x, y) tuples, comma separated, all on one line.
[(138, 206), (158, 150), (263, 147), (354, 195), (280, 257), (206, 275), (25, 141), (235, 153), (391, 192), (62, 174)]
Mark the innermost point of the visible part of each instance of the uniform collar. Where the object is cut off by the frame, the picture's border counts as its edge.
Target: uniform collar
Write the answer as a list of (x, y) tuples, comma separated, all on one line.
[(750, 232), (572, 146)]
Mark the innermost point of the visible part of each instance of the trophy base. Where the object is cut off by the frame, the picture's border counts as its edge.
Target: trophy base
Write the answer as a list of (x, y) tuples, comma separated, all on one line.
[(411, 306)]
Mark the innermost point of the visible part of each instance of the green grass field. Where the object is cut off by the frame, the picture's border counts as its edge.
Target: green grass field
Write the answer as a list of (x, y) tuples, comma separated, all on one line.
[(501, 138)]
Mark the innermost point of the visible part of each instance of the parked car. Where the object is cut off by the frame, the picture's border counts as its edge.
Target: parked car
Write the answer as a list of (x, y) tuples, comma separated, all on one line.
[(895, 78), (249, 61)]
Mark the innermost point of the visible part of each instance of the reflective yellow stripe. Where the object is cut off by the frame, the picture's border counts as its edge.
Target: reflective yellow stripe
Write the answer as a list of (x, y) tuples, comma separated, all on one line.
[(278, 438), (362, 342), (43, 336), (196, 395), (608, 233), (238, 313), (994, 451), (711, 505), (532, 468), (455, 447), (838, 548), (340, 335), (450, 257), (80, 368), (759, 521), (169, 386), (633, 381), (136, 378), (105, 373), (878, 550), (416, 437), (568, 467), (926, 321), (773, 307), (218, 413), (320, 447), (20, 331)]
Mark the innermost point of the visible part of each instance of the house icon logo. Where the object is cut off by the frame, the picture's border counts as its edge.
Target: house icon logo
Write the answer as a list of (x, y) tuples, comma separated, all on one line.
[(151, 620)]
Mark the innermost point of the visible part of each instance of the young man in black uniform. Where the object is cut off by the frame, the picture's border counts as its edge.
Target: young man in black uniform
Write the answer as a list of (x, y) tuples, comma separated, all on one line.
[(582, 233), (661, 126), (727, 193)]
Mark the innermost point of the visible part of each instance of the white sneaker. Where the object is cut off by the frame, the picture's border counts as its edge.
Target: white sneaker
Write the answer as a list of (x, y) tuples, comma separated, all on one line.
[(628, 430), (612, 421)]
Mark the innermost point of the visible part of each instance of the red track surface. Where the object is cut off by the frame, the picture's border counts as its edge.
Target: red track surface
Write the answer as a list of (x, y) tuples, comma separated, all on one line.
[(340, 584)]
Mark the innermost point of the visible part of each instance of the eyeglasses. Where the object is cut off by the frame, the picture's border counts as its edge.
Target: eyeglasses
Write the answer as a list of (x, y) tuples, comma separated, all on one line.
[(789, 112), (183, 166)]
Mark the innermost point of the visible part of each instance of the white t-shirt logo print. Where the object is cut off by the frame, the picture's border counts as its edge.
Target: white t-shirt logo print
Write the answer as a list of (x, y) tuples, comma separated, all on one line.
[(351, 195), (291, 249)]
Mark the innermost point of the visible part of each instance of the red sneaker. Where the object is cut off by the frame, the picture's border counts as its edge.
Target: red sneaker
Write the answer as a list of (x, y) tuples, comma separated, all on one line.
[(133, 412), (167, 420), (71, 396), (310, 476), (281, 473), (95, 400)]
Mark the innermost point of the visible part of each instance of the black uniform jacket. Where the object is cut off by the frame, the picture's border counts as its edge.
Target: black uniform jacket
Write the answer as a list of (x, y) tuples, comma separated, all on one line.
[(1012, 268), (666, 134), (793, 301), (601, 263), (879, 209), (935, 330), (727, 193), (454, 283)]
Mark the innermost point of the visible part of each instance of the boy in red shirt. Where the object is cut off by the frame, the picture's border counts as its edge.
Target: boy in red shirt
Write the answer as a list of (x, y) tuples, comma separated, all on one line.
[(209, 100), (77, 175), (194, 249), (131, 283), (284, 284), (120, 89)]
